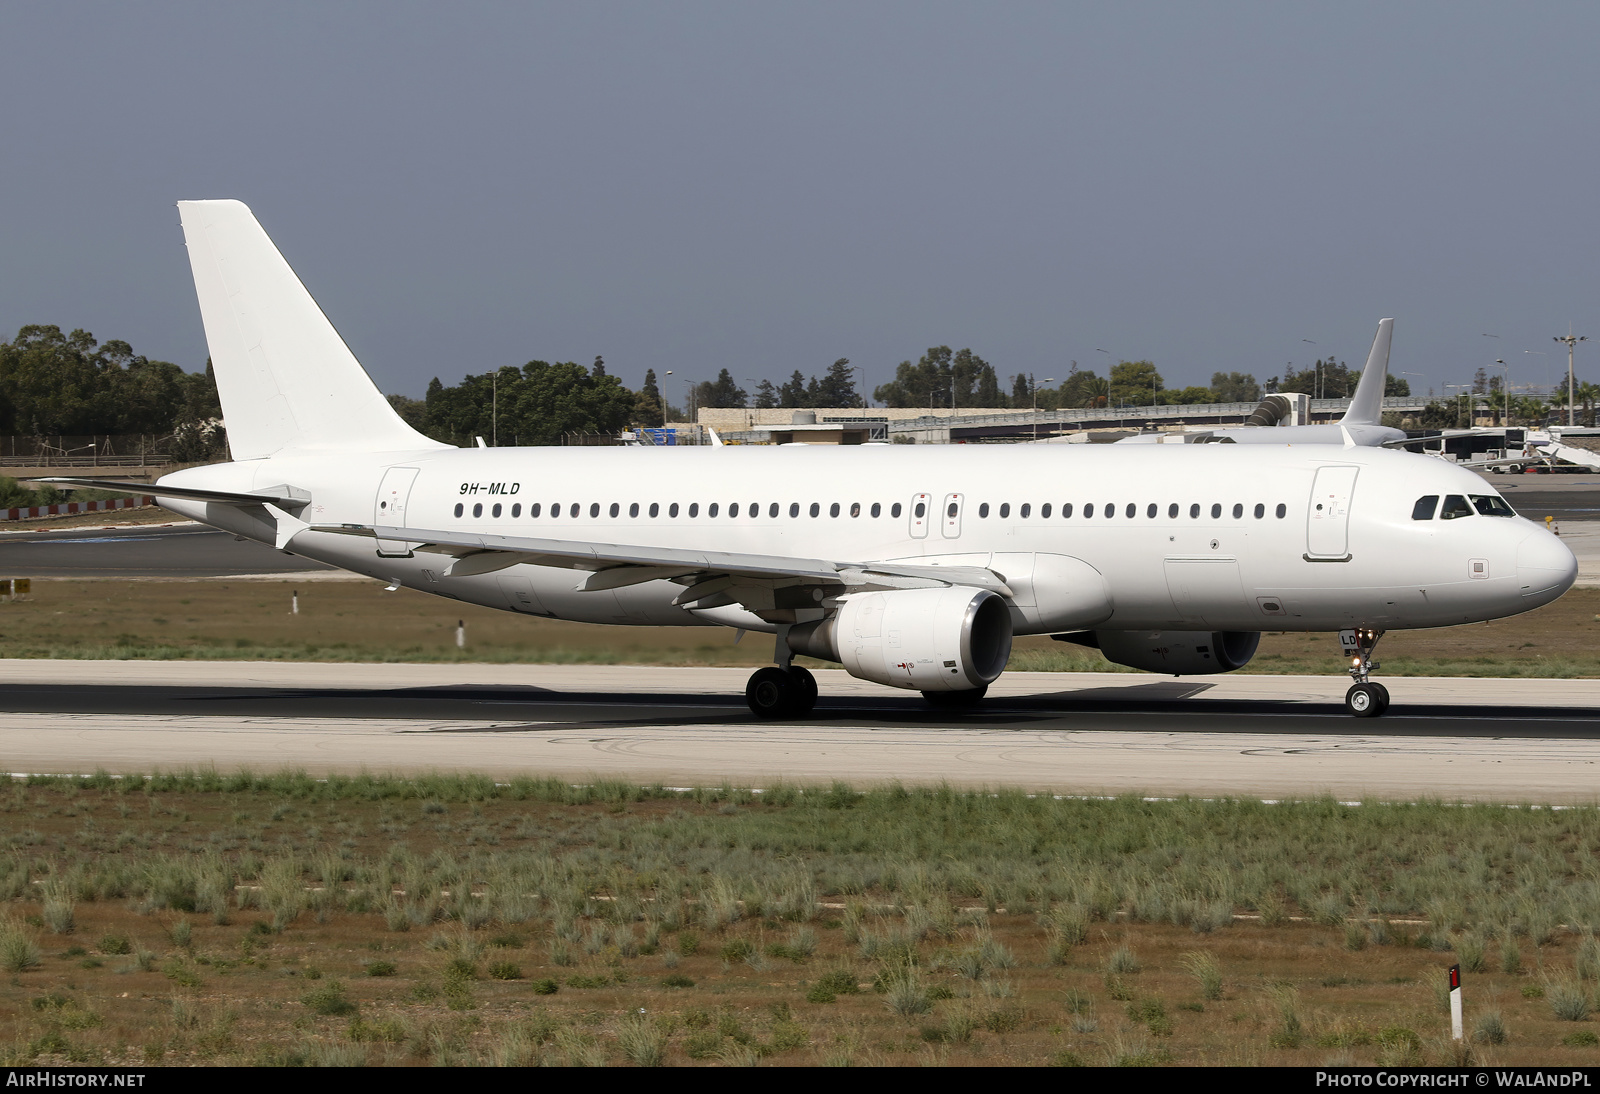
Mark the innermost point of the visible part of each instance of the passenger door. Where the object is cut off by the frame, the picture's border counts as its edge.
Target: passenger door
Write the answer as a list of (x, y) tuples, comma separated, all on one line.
[(1328, 520), (389, 509)]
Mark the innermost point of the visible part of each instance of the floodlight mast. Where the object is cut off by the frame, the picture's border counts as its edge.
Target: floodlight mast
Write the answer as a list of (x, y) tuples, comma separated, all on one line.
[(1570, 342)]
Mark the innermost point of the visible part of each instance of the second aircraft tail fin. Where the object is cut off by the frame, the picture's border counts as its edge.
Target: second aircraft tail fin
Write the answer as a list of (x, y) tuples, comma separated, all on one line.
[(1366, 408)]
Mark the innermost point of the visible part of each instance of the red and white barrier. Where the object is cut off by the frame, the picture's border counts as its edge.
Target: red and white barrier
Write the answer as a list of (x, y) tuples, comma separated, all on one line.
[(67, 507)]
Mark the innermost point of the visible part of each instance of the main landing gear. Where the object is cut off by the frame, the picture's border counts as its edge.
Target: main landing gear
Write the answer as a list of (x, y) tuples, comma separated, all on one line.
[(1365, 699), (782, 690)]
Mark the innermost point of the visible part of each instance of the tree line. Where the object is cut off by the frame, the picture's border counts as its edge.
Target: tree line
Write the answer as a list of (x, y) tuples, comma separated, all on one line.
[(55, 384)]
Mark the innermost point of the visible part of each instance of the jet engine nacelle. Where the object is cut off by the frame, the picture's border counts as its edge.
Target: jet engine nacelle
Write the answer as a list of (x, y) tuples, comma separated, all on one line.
[(1180, 653), (950, 639)]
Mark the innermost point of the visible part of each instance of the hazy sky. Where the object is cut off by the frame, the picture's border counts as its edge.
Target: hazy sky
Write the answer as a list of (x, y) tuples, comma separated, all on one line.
[(767, 187)]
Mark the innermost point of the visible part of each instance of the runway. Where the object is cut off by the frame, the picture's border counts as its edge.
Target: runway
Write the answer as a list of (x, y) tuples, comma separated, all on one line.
[(1264, 737), (178, 550)]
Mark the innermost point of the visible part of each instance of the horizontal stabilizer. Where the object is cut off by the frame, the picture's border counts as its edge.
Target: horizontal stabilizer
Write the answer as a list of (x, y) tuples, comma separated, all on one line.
[(227, 497)]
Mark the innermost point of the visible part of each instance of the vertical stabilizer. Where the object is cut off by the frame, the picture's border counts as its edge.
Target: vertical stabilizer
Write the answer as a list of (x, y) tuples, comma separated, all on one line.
[(1367, 406), (286, 379)]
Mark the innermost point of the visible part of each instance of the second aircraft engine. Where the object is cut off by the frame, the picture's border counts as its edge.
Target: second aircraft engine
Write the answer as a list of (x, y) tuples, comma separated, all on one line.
[(1180, 653), (949, 639)]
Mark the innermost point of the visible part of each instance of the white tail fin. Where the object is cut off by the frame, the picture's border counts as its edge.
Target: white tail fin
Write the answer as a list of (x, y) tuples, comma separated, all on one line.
[(286, 378), (1366, 408)]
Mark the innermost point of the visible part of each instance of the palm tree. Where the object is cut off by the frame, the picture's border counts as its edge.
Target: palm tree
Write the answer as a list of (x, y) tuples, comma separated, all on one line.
[(1587, 395), (1529, 410)]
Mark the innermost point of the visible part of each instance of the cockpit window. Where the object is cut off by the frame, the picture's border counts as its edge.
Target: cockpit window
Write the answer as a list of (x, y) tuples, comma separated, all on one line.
[(1455, 506), (1492, 505), (1425, 506)]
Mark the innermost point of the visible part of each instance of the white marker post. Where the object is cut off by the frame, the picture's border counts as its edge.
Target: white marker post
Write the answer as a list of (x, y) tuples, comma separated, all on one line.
[(1455, 1002), (294, 602), (461, 634)]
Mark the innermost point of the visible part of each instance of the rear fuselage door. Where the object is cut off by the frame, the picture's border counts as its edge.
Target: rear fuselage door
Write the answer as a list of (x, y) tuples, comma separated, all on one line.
[(920, 515), (1328, 521), (951, 517), (389, 510)]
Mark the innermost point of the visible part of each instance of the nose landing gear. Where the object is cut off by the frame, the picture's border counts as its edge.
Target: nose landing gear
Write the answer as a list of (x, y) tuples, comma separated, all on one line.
[(1365, 699)]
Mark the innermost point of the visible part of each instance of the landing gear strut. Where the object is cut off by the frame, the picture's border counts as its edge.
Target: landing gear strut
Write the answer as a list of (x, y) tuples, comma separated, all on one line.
[(782, 690), (1365, 699)]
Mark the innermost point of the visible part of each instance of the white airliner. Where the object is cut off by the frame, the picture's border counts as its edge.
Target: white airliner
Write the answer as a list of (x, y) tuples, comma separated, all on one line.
[(1361, 424), (910, 566)]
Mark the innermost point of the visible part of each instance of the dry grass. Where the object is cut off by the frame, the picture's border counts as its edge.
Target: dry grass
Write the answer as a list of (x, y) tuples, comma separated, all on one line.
[(279, 920), (358, 621)]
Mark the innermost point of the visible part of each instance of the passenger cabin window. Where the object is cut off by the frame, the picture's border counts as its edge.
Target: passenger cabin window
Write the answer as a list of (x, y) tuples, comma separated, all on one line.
[(1024, 510), (1110, 509), (833, 510), (495, 512), (1066, 510), (1283, 510), (576, 509), (983, 510), (1492, 505), (1044, 511), (1131, 511), (855, 509), (894, 510), (477, 510), (1238, 510), (1425, 507), (815, 509), (921, 511), (877, 508), (694, 509), (655, 509), (460, 508), (711, 510), (733, 510), (1088, 510), (1150, 511), (672, 510), (1005, 509), (1194, 511), (1172, 510), (1216, 512), (1455, 506)]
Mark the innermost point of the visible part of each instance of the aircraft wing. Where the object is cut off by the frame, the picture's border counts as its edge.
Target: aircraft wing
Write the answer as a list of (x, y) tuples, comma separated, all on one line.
[(719, 576)]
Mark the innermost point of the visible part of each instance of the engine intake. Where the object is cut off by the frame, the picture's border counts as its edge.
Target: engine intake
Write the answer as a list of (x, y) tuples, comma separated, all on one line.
[(1180, 653), (950, 639)]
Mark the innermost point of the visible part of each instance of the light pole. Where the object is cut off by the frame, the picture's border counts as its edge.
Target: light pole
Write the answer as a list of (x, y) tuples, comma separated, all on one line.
[(1505, 382), (1035, 393), (1460, 390), (1570, 341)]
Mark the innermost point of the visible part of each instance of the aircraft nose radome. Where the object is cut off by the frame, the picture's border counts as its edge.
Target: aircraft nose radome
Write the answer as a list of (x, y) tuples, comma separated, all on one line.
[(1545, 566)]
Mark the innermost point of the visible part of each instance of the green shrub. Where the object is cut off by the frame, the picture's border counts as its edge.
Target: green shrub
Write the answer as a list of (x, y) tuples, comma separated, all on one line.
[(1489, 1029), (545, 986), (115, 944), (677, 980), (1569, 1000), (1584, 1038), (329, 1000), (380, 968), (505, 970), (737, 950)]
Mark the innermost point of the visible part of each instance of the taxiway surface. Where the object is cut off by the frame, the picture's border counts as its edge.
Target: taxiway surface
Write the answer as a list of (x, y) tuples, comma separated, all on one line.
[(1267, 737)]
